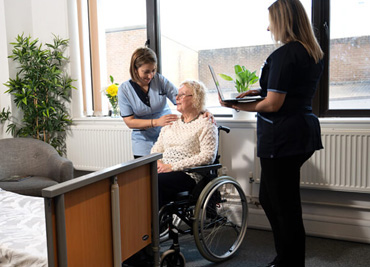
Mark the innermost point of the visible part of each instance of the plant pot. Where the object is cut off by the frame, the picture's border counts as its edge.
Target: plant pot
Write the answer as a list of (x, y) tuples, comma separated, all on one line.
[(242, 115)]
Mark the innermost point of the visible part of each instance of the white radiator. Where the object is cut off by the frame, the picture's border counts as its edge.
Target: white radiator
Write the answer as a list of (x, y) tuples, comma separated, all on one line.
[(343, 164), (92, 148)]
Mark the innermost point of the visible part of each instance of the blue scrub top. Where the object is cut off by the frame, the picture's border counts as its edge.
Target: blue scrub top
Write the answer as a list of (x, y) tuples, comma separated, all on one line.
[(131, 104), (294, 129)]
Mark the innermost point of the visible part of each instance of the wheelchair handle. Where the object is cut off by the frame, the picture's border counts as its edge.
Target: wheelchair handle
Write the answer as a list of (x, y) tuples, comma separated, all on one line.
[(223, 128)]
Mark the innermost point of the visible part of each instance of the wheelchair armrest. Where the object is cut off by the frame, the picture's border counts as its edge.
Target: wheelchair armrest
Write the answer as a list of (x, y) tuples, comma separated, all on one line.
[(205, 168), (223, 128)]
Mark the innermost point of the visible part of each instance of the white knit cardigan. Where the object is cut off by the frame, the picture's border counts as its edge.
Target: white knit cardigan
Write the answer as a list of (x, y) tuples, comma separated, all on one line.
[(188, 144)]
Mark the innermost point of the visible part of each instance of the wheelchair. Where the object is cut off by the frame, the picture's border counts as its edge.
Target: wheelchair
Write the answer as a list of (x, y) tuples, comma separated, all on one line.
[(215, 213)]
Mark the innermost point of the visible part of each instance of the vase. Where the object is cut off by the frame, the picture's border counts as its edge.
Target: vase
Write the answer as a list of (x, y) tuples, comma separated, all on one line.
[(115, 112)]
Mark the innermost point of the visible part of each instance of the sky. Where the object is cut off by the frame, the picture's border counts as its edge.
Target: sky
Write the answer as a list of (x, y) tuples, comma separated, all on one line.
[(211, 24)]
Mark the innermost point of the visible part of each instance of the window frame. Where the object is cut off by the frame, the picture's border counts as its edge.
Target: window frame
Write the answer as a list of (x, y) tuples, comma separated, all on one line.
[(321, 22)]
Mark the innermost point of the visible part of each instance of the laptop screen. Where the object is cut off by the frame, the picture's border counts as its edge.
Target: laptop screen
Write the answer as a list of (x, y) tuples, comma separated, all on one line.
[(216, 82)]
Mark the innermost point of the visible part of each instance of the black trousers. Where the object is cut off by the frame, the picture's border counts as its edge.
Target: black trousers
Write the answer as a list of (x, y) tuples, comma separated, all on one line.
[(171, 183), (281, 200)]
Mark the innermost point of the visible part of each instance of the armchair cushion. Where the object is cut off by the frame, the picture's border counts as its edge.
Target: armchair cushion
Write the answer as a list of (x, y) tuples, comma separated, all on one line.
[(31, 186), (28, 156)]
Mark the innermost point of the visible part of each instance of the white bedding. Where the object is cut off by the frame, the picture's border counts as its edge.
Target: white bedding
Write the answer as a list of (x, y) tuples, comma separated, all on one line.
[(22, 230)]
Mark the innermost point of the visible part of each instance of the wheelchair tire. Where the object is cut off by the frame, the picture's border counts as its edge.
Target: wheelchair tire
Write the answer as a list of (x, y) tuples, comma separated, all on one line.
[(171, 258), (220, 219), (164, 219)]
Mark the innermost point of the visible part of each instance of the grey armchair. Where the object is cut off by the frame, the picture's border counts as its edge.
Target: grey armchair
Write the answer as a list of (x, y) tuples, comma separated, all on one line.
[(33, 158)]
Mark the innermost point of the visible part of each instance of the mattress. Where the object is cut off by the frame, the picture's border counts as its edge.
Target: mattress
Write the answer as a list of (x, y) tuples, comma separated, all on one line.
[(22, 230)]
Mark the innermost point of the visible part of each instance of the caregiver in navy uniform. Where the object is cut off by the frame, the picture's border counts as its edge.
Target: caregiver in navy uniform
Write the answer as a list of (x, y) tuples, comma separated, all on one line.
[(288, 132), (143, 101)]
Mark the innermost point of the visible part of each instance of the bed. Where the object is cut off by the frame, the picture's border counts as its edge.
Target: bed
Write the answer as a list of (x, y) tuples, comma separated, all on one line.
[(22, 230), (99, 219)]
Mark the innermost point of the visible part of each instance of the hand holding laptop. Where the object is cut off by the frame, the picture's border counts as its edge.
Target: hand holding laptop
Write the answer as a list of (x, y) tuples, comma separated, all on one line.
[(250, 92)]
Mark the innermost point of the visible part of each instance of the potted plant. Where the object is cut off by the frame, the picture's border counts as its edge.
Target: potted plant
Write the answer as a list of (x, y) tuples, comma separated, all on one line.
[(41, 90), (244, 79)]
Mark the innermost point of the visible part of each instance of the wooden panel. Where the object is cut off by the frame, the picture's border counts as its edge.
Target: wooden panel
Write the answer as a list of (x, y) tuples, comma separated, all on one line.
[(135, 210), (89, 239), (95, 58)]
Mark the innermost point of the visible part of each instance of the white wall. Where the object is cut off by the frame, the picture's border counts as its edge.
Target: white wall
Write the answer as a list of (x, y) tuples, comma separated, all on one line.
[(326, 213), (38, 19), (4, 73)]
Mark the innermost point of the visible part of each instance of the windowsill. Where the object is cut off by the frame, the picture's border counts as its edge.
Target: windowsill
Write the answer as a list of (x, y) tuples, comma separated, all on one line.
[(98, 121), (103, 118), (227, 118)]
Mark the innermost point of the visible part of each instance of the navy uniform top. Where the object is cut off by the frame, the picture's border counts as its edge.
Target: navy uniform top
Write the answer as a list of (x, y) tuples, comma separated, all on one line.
[(294, 129), (133, 101)]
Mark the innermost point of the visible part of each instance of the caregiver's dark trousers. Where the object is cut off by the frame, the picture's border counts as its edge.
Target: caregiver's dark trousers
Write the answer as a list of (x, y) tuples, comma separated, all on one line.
[(281, 200)]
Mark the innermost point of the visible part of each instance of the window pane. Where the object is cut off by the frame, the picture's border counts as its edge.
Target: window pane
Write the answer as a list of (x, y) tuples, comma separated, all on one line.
[(349, 55), (220, 33), (124, 31)]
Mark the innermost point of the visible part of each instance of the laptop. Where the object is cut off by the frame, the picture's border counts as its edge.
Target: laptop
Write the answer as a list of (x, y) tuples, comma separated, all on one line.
[(244, 99)]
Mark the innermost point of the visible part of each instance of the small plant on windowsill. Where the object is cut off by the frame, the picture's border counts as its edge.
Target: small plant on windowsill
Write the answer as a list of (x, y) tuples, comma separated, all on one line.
[(111, 92), (244, 79)]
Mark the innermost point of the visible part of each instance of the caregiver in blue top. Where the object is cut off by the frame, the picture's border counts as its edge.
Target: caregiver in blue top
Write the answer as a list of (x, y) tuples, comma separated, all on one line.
[(143, 101)]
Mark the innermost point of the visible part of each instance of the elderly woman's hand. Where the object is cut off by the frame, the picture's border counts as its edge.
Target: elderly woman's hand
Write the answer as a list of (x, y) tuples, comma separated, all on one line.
[(161, 167)]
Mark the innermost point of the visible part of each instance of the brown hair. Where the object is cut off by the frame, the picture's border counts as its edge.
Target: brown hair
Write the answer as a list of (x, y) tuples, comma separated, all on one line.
[(140, 57), (289, 22)]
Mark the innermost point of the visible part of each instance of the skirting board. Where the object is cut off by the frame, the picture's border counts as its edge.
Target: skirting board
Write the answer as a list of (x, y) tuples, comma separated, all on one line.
[(349, 229)]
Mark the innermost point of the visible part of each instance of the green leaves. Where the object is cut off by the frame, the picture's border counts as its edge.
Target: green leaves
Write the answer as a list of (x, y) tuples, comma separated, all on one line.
[(41, 90), (4, 115), (226, 77), (243, 78)]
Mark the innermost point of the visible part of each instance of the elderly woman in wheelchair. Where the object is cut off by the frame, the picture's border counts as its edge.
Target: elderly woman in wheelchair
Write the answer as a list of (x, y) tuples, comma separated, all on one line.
[(192, 198)]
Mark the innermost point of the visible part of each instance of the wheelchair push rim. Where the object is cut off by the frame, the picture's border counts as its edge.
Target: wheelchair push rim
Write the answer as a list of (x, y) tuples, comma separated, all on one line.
[(218, 231)]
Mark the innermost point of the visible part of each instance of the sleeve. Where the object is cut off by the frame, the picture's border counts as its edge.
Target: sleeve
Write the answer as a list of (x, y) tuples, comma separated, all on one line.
[(280, 71), (125, 106), (169, 88), (208, 142), (158, 146)]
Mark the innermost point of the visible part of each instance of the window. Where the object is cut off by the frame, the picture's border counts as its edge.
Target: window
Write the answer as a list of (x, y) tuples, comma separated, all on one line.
[(344, 89), (115, 31), (125, 31), (197, 33), (349, 65), (189, 35)]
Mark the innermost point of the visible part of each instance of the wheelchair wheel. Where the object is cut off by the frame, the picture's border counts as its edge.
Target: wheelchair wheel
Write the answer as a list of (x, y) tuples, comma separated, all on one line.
[(220, 219), (171, 258), (165, 219), (165, 216)]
